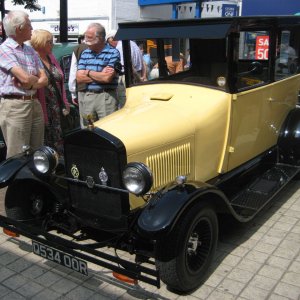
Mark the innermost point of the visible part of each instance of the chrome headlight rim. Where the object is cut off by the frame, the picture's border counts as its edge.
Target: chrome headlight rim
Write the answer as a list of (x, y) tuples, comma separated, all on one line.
[(140, 185), (45, 160)]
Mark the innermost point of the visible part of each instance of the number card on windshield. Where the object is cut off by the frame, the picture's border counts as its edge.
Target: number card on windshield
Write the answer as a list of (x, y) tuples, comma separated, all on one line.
[(262, 47)]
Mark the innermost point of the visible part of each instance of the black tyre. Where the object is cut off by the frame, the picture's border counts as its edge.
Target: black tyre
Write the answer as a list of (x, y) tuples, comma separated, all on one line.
[(184, 257), (25, 201)]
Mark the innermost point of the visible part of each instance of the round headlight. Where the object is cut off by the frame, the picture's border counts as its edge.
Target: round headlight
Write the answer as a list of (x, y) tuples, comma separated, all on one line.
[(45, 160), (137, 178)]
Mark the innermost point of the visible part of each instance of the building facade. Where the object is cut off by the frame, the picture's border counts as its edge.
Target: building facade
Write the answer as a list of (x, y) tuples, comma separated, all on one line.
[(111, 12), (81, 13)]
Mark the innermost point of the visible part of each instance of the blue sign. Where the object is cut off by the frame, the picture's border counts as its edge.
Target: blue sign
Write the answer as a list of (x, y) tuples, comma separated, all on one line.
[(229, 10), (158, 2), (270, 7)]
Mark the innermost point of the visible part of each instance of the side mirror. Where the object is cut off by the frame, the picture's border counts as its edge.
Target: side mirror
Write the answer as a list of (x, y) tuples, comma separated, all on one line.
[(256, 68)]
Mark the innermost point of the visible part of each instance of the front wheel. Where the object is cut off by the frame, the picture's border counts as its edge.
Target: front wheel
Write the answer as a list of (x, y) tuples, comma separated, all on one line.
[(26, 201), (184, 257)]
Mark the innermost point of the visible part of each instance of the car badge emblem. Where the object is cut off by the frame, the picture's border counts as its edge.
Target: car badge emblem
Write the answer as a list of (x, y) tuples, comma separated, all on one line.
[(90, 182), (103, 176), (75, 171), (89, 120)]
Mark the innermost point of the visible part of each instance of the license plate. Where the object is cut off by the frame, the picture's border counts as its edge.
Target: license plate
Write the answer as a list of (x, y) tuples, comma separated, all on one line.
[(59, 257)]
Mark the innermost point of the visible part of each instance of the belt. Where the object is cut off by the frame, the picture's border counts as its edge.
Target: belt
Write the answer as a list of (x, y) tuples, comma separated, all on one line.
[(27, 97), (99, 91)]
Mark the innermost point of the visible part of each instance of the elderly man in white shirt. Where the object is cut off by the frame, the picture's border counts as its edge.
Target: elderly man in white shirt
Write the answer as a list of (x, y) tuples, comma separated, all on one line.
[(74, 89), (137, 63)]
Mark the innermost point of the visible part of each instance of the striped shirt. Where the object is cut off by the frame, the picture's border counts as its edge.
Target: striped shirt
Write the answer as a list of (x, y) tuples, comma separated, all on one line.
[(89, 60), (14, 55)]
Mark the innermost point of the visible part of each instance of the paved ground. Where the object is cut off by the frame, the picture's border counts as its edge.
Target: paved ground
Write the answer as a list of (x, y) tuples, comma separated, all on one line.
[(259, 260)]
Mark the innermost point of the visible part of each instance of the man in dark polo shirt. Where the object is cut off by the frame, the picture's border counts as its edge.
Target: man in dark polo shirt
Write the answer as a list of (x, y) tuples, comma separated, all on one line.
[(21, 74), (96, 70)]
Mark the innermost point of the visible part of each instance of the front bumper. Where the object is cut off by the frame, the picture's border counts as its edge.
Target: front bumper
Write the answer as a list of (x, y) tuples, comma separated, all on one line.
[(87, 252)]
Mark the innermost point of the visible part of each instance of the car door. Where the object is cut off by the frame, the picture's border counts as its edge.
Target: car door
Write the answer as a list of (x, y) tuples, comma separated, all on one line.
[(251, 114)]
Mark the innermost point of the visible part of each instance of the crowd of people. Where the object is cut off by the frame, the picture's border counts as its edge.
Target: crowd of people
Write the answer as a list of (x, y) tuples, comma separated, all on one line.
[(33, 97), (33, 100)]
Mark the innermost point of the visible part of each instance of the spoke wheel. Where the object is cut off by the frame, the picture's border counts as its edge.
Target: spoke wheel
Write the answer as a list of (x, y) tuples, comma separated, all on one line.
[(184, 257)]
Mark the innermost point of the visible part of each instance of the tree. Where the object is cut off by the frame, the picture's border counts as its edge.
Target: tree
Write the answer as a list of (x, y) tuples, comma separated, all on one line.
[(33, 5), (28, 4)]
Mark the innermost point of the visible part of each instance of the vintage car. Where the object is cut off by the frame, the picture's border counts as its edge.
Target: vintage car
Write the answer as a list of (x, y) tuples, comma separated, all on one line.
[(216, 138)]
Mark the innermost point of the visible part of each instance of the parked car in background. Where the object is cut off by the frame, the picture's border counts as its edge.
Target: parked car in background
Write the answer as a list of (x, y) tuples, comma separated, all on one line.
[(154, 179), (63, 53)]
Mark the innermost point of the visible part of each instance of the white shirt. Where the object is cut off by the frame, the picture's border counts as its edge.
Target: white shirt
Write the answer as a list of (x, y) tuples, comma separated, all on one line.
[(72, 76), (136, 55)]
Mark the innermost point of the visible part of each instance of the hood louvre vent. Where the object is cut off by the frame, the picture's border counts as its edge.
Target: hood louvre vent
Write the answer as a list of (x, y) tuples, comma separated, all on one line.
[(170, 163)]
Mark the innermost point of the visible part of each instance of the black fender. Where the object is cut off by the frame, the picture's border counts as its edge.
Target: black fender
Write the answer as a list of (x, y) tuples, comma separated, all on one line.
[(20, 168), (165, 207), (3, 148), (10, 167), (289, 138)]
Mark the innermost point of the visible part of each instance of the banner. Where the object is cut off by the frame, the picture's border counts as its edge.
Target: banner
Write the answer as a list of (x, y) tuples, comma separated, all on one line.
[(158, 2), (262, 47), (229, 10), (73, 28)]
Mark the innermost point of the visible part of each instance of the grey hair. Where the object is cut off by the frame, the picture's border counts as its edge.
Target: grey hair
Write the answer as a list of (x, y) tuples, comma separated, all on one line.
[(14, 19), (100, 30)]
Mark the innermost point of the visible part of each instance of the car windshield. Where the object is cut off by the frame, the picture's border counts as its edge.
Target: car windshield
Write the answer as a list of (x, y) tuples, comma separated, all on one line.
[(199, 61)]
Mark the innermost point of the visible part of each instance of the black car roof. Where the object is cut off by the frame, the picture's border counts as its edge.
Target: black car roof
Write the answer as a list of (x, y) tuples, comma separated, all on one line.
[(208, 28)]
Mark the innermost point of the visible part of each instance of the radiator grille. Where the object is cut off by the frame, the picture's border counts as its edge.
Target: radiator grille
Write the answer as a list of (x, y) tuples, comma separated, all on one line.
[(170, 163)]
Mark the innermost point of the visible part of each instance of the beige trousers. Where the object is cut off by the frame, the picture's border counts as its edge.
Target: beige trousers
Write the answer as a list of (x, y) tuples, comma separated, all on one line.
[(98, 105), (22, 123)]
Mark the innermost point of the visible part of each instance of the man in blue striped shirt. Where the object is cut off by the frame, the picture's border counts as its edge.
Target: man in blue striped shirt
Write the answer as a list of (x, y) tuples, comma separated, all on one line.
[(96, 69)]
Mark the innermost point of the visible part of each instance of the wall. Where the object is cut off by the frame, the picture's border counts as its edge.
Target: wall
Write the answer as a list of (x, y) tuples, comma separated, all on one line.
[(270, 7), (80, 13)]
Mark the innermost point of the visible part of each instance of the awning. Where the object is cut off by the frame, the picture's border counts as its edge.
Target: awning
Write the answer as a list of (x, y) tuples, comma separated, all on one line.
[(201, 31)]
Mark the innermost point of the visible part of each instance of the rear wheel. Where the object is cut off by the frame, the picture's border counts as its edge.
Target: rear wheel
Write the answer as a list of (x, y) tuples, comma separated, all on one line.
[(184, 257), (25, 201)]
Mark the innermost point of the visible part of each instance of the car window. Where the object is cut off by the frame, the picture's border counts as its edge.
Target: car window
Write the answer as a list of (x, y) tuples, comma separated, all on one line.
[(253, 62), (197, 61), (165, 57), (63, 53), (287, 63), (65, 64)]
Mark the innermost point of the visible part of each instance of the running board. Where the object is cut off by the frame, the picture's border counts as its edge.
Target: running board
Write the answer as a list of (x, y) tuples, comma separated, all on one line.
[(259, 192)]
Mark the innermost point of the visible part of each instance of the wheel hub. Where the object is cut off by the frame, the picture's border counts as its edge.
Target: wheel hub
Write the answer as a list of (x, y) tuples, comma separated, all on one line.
[(37, 205), (193, 243)]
